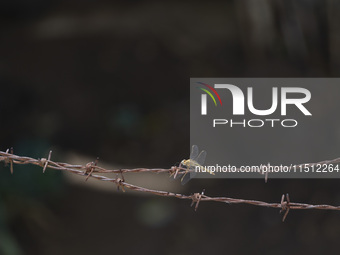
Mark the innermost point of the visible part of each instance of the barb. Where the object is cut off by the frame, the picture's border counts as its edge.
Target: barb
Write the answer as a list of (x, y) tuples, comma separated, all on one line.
[(11, 162), (88, 169), (44, 161), (285, 206), (8, 160), (119, 181), (196, 198)]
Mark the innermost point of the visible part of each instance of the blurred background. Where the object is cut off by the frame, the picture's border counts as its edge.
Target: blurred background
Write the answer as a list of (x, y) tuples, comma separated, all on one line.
[(111, 79)]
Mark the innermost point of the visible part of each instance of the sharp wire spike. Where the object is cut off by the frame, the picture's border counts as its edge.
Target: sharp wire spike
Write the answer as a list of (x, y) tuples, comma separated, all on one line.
[(7, 158), (285, 206), (91, 167), (48, 160), (196, 198), (11, 161)]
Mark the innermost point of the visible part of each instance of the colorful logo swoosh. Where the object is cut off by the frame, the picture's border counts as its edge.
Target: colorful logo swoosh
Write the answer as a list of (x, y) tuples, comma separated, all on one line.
[(209, 93)]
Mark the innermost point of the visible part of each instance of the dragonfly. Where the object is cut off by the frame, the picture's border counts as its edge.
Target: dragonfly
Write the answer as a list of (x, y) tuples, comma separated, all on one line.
[(196, 161)]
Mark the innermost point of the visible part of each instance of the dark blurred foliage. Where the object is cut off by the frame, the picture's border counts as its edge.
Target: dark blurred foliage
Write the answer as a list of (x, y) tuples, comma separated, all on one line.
[(111, 79)]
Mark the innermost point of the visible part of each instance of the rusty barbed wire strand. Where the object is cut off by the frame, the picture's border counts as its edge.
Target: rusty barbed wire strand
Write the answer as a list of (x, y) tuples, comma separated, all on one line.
[(285, 205)]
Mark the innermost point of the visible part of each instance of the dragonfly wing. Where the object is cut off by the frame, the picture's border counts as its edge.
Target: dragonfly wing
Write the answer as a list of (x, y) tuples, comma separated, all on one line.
[(201, 158), (178, 176), (188, 176), (194, 152), (192, 174), (185, 178)]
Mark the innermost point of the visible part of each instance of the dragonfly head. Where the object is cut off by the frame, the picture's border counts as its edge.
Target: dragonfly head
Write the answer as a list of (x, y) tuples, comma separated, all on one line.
[(184, 162)]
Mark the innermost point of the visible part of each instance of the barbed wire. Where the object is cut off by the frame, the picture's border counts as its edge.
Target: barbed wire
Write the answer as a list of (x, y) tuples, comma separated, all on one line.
[(90, 168)]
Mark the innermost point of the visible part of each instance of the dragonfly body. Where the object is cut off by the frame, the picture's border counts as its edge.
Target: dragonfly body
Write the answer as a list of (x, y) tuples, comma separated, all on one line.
[(196, 160), (190, 163)]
